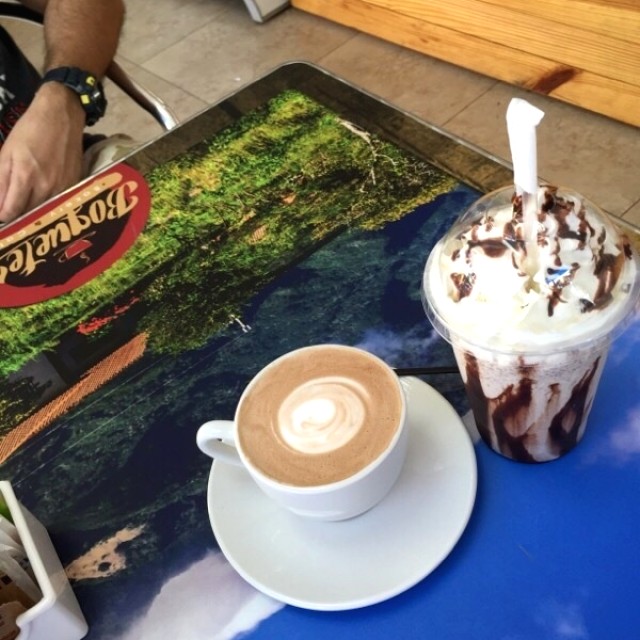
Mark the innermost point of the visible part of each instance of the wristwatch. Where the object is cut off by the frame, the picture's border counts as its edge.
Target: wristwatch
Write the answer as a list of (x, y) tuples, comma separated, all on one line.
[(86, 85)]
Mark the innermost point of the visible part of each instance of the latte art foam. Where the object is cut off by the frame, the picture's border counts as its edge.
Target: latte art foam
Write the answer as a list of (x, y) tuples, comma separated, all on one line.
[(323, 414), (319, 415)]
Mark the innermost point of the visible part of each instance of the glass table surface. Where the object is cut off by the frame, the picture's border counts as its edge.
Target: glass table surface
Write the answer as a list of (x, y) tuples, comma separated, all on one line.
[(300, 210)]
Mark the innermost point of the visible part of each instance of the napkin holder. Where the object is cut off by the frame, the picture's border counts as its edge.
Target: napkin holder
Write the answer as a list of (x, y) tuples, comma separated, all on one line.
[(57, 616)]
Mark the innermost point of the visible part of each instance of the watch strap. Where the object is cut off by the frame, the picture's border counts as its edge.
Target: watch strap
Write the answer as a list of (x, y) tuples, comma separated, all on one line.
[(85, 85)]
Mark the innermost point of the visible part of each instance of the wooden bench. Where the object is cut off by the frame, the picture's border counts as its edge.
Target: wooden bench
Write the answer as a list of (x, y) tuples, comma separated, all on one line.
[(584, 52)]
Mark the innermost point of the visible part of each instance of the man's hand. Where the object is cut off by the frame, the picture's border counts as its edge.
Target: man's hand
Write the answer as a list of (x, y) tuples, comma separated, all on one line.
[(42, 155)]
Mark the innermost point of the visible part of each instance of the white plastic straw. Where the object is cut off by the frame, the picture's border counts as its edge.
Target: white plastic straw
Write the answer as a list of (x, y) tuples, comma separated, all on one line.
[(522, 120)]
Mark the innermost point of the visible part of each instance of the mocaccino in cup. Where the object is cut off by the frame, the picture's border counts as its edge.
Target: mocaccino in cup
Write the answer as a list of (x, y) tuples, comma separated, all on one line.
[(319, 415), (531, 344)]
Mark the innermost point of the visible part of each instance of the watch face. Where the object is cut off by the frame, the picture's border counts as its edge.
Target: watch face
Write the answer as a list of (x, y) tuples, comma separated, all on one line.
[(97, 104), (86, 85)]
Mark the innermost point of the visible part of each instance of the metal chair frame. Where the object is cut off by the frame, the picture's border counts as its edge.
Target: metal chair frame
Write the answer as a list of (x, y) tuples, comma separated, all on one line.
[(145, 98)]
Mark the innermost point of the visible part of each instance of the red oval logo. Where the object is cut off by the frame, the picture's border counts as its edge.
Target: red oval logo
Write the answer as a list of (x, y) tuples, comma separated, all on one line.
[(72, 238)]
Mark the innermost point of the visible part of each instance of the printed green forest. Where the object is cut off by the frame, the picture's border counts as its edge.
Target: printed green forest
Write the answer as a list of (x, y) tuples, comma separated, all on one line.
[(226, 218)]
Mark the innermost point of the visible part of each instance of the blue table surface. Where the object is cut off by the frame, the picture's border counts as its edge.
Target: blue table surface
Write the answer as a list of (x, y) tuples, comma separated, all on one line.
[(550, 550), (549, 553)]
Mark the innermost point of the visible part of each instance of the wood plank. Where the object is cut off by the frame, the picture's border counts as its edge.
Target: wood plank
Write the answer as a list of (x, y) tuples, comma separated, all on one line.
[(619, 19), (615, 99), (473, 53), (574, 46)]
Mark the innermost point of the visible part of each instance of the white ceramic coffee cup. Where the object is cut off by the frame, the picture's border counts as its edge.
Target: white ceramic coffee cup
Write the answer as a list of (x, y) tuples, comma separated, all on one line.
[(338, 500)]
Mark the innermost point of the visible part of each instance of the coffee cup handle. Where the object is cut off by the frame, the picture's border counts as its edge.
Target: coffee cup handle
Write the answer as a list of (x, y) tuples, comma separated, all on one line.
[(210, 439)]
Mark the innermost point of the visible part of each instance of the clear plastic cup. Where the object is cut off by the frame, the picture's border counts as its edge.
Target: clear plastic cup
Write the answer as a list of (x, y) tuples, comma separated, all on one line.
[(531, 321)]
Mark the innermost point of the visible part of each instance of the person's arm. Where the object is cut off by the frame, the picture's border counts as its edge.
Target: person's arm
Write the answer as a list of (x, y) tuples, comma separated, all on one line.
[(42, 155), (80, 33)]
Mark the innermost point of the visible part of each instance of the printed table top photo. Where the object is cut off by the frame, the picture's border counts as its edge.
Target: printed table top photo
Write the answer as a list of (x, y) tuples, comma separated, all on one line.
[(139, 305)]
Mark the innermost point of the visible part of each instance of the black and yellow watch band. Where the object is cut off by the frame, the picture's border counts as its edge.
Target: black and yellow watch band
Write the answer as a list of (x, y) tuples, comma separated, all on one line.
[(86, 85)]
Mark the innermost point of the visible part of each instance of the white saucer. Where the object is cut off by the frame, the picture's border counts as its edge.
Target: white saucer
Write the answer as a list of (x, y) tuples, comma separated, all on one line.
[(332, 566)]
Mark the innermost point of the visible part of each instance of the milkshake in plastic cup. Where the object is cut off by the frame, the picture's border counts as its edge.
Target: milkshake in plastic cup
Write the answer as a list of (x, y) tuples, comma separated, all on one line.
[(531, 323)]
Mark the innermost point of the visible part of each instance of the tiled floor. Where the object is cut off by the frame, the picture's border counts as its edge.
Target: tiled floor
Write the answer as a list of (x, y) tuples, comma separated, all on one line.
[(195, 52)]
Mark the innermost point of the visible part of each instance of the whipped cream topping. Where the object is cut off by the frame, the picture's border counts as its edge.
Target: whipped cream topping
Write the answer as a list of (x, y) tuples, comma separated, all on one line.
[(323, 414), (481, 285)]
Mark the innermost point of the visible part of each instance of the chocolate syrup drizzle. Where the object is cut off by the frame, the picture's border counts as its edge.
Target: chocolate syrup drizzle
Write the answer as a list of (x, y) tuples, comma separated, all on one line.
[(607, 267), (507, 414)]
